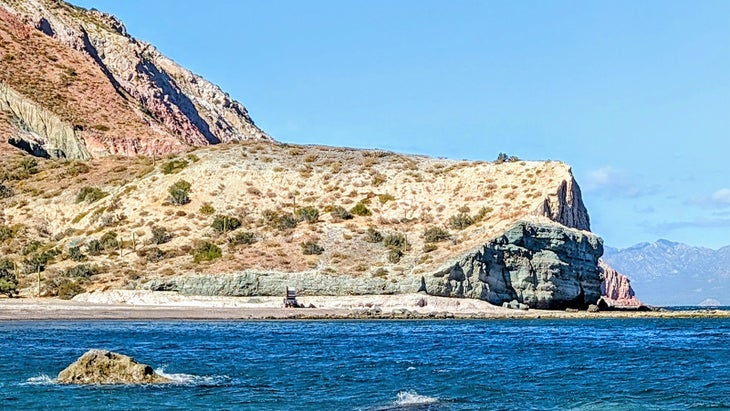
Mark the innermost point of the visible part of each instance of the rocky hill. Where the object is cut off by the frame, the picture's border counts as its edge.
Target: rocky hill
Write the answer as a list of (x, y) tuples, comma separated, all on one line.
[(74, 84), (95, 206), (670, 273)]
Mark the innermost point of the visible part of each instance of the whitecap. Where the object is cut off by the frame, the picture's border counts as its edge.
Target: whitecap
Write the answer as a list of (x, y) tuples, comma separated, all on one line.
[(410, 368), (412, 398), (190, 379), (40, 380)]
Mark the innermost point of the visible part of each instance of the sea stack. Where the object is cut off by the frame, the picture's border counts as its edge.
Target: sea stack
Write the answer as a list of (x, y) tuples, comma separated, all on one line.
[(106, 367)]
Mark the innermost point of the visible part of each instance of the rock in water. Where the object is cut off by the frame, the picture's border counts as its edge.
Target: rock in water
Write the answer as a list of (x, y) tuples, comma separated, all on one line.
[(106, 367)]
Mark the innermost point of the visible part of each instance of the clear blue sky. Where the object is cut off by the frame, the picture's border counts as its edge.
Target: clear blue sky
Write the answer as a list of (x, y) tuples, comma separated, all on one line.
[(635, 95)]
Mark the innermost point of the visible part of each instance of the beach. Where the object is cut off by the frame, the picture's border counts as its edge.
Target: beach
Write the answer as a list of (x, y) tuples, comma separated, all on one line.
[(153, 305)]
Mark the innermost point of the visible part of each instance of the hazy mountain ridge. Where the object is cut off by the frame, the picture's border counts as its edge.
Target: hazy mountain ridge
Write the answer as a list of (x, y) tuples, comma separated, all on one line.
[(671, 273)]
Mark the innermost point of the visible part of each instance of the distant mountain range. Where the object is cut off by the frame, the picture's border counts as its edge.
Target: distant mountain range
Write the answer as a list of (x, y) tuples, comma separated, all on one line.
[(669, 273)]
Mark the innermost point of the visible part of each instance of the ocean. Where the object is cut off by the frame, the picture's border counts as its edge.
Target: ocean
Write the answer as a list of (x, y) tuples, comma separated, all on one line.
[(586, 364)]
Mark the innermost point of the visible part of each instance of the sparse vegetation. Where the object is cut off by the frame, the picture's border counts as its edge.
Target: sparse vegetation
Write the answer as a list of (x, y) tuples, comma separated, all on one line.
[(5, 192), (159, 235), (340, 213), (309, 214), (75, 254), (68, 289), (460, 221), (311, 248), (242, 238), (224, 223), (206, 209), (361, 209), (206, 251), (8, 281), (373, 236), (397, 245), (174, 166), (90, 195), (435, 235), (503, 158), (384, 198), (82, 271), (109, 241), (179, 193), (428, 247)]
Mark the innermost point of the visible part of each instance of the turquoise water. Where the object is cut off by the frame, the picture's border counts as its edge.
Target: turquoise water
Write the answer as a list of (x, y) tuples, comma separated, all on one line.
[(650, 364)]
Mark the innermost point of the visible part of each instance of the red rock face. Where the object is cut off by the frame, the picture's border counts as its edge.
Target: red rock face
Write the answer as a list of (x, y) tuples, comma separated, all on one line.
[(616, 288)]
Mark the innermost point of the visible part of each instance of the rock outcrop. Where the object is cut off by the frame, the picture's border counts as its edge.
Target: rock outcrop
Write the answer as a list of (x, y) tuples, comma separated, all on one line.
[(165, 102), (542, 265), (616, 289), (106, 367), (566, 207)]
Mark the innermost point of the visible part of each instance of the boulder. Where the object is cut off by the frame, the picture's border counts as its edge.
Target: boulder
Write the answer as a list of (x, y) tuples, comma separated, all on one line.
[(106, 367)]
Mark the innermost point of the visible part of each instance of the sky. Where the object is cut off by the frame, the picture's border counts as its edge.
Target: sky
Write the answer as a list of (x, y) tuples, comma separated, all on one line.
[(634, 95)]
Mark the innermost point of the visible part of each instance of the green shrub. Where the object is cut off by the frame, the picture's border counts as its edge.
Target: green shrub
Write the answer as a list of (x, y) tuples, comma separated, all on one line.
[(29, 165), (206, 251), (384, 198), (160, 235), (174, 166), (361, 209), (109, 241), (206, 209), (90, 194), (5, 192), (270, 218), (8, 281), (69, 289), (242, 238), (340, 213), (311, 248), (225, 223), (74, 253), (309, 214), (394, 255), (287, 222), (82, 271), (179, 192), (6, 233), (428, 247), (483, 213), (435, 235), (397, 241), (460, 221), (93, 247), (37, 262), (373, 235)]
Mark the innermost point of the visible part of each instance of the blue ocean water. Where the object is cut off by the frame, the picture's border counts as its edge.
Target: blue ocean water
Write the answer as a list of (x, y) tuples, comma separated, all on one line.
[(606, 364)]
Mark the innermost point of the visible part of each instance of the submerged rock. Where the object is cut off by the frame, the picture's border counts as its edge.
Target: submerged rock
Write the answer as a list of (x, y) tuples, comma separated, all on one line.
[(106, 367)]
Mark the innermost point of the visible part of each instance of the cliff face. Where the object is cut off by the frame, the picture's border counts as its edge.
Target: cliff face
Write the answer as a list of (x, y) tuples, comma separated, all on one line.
[(152, 105), (616, 288)]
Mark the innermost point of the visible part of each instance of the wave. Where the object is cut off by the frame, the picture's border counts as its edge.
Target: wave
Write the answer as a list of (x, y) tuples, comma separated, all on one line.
[(412, 399), (40, 380), (191, 379)]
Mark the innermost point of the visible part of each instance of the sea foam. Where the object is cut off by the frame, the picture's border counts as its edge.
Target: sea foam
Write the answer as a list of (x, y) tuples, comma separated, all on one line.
[(40, 380), (412, 398), (190, 379)]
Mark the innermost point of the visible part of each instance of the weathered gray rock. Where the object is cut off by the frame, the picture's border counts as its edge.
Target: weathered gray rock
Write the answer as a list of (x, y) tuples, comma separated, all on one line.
[(106, 367), (593, 308), (543, 265)]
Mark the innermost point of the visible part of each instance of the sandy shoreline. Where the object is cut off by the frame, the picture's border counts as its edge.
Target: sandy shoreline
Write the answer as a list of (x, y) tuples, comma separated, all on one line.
[(147, 305)]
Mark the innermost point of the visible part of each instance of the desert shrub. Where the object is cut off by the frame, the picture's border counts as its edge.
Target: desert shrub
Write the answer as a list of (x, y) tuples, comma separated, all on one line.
[(361, 209), (380, 272), (206, 209), (5, 192), (309, 214), (384, 198), (502, 158), (29, 165), (242, 238), (8, 281), (373, 235), (109, 241), (82, 271), (225, 223), (37, 261), (340, 213), (378, 180), (428, 247), (6, 233), (270, 217), (396, 240), (160, 235), (394, 255), (482, 213), (174, 166), (93, 247), (69, 289), (311, 248), (460, 221), (31, 247), (75, 254), (152, 254), (287, 222), (435, 234), (90, 194), (206, 251), (179, 192)]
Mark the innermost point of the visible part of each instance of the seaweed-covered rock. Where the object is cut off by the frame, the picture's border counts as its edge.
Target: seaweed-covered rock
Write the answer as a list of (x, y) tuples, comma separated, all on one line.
[(106, 367)]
